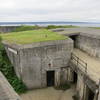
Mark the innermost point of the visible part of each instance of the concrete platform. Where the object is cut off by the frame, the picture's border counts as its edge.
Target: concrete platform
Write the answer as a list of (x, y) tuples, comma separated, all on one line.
[(93, 64)]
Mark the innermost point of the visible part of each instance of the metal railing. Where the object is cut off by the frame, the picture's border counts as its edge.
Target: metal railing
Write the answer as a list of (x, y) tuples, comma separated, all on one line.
[(79, 62)]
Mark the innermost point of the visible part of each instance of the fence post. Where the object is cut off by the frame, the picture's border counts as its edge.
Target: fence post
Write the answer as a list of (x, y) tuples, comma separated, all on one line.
[(71, 55), (86, 68), (77, 61)]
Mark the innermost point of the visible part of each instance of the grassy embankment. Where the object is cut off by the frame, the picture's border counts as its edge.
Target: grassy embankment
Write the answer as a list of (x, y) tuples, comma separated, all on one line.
[(27, 37)]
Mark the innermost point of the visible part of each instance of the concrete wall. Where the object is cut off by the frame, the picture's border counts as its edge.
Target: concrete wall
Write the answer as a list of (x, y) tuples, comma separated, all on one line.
[(31, 62), (89, 44), (80, 85), (5, 29), (6, 91)]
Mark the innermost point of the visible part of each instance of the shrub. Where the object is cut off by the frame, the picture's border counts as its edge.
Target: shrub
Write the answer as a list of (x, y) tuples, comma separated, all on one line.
[(25, 28), (8, 70), (60, 26)]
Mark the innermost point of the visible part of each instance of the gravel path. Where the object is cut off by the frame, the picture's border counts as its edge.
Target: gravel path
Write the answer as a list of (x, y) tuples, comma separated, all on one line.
[(48, 94)]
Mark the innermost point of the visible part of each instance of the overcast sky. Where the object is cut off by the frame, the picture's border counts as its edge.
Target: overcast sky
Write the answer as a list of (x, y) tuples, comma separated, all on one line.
[(50, 10)]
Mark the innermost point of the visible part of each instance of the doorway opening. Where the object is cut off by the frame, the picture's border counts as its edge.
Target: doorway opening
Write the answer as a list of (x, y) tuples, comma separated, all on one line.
[(74, 83), (89, 94), (50, 78), (75, 78), (74, 38)]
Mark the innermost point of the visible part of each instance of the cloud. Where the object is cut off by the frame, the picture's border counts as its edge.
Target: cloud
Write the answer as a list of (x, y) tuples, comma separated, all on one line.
[(49, 10)]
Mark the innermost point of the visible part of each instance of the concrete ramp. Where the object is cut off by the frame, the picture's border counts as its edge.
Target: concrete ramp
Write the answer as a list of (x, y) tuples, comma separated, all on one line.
[(6, 90)]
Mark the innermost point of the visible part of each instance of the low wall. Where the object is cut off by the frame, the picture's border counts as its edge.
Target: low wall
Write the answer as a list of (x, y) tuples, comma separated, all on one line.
[(6, 90), (5, 29)]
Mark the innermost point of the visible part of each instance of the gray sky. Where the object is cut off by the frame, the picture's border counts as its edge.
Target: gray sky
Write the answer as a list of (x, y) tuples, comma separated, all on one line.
[(50, 10)]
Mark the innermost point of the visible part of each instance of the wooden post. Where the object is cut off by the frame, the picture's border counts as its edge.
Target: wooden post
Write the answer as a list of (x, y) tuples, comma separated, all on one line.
[(86, 68), (77, 61)]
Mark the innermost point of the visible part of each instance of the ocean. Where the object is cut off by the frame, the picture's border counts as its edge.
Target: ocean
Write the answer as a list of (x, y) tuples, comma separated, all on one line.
[(83, 24)]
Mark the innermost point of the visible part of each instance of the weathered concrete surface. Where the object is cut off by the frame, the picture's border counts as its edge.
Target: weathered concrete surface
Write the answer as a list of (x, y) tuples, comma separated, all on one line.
[(88, 39), (6, 91), (93, 65), (5, 29), (31, 62), (87, 31), (89, 79), (89, 44), (48, 94)]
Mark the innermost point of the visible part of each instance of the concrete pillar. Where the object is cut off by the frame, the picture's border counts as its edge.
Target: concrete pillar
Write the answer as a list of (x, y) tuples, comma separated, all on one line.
[(57, 78), (70, 75), (96, 96), (43, 78), (84, 92), (80, 86)]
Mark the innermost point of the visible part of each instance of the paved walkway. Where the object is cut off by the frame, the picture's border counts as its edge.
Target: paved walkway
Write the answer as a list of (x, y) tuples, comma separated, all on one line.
[(48, 94), (93, 64)]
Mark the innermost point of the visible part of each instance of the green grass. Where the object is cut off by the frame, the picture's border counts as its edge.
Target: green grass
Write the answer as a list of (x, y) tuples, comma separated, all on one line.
[(28, 37), (95, 27), (26, 28), (60, 26)]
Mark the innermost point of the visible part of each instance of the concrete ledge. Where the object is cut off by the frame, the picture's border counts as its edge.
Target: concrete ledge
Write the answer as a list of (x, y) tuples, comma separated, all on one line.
[(37, 44)]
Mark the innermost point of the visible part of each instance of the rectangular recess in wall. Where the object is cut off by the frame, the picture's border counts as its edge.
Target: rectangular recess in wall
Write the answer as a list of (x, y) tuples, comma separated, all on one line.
[(12, 50)]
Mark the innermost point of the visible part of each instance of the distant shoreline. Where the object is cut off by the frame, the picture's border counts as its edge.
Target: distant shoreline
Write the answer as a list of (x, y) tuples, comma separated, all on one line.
[(83, 24)]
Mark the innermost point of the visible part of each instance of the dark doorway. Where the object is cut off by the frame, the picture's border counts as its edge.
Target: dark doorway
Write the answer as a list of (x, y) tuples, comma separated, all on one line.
[(90, 94), (74, 38), (75, 78), (50, 78), (74, 83)]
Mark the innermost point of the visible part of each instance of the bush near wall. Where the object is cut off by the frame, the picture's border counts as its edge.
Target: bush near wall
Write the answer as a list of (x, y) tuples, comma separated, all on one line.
[(60, 26), (8, 70)]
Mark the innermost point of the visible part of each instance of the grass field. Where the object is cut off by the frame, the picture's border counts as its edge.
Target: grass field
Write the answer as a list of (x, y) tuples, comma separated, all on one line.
[(27, 37)]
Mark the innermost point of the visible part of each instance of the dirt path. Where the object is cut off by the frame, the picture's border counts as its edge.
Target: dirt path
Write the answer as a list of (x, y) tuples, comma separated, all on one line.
[(48, 94)]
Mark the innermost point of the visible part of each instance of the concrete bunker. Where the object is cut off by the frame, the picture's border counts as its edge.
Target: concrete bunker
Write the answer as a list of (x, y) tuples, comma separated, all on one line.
[(40, 64), (48, 63)]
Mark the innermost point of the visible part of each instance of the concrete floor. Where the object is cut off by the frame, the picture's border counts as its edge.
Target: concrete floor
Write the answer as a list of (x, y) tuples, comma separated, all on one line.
[(48, 94), (93, 64)]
